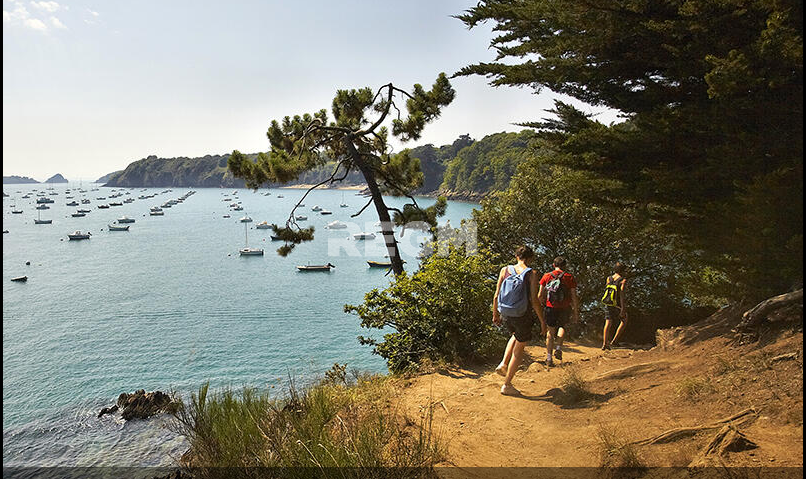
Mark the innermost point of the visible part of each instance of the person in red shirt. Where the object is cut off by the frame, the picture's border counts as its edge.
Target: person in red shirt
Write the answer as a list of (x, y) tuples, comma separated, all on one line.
[(558, 291)]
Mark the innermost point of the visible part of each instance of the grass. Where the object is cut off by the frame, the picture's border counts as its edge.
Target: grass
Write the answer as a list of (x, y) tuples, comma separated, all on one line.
[(617, 454), (573, 385), (693, 388), (335, 428)]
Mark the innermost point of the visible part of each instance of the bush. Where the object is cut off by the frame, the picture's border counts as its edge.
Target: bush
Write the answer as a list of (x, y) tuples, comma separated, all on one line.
[(325, 430), (441, 313)]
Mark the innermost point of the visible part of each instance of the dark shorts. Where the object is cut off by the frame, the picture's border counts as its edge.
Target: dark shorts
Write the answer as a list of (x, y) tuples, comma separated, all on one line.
[(613, 314), (520, 326), (557, 318)]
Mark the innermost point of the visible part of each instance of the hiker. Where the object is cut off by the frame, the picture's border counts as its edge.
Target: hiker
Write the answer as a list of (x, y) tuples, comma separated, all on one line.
[(615, 301), (515, 298), (558, 290)]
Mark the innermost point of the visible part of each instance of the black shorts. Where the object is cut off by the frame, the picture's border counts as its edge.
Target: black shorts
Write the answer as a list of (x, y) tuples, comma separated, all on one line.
[(520, 326), (557, 318), (613, 314)]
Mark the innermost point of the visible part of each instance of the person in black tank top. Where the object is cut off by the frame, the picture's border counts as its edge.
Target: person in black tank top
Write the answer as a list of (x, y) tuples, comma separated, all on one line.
[(618, 312)]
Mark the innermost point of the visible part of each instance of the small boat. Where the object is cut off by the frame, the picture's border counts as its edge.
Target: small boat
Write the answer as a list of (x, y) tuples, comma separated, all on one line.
[(227, 216), (43, 207), (85, 202), (280, 196), (237, 208), (78, 235), (16, 212), (118, 228), (262, 226), (125, 219), (156, 208), (72, 203), (116, 203), (301, 217), (82, 210), (301, 204), (336, 225), (316, 208), (128, 200), (276, 238), (40, 221), (44, 200), (319, 267), (343, 204), (246, 250), (325, 212), (245, 219), (103, 207), (379, 264), (20, 279), (78, 215), (157, 213), (364, 236)]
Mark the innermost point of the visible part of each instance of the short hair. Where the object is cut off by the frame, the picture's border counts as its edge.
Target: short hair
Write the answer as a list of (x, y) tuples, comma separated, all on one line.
[(620, 268), (524, 253), (559, 262)]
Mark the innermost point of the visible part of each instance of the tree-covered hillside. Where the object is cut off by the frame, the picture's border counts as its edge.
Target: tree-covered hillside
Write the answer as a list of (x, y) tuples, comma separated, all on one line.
[(206, 171)]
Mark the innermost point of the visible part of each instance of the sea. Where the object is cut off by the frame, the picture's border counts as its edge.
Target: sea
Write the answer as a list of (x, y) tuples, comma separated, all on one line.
[(169, 305)]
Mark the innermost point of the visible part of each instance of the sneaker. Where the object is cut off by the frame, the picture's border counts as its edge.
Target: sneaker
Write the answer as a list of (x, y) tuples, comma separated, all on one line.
[(549, 362), (558, 354), (509, 390), (501, 370), (606, 347)]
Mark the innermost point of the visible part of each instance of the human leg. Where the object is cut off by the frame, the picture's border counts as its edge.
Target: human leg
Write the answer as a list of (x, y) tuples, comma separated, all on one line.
[(515, 363), (619, 330), (608, 324), (502, 367)]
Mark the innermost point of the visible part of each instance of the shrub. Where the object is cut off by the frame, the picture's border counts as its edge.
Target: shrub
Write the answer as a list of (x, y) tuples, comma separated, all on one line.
[(440, 313)]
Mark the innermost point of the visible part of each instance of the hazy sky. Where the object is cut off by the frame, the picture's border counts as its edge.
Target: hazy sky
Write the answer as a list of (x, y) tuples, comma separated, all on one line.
[(89, 87)]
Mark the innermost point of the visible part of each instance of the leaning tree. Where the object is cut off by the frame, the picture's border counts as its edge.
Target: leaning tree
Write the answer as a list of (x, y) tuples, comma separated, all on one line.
[(357, 140)]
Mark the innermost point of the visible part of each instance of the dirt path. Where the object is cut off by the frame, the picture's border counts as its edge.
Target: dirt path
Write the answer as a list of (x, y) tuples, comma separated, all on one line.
[(633, 395)]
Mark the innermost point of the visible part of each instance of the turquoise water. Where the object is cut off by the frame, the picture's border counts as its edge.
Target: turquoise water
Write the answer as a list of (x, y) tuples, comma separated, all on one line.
[(168, 305)]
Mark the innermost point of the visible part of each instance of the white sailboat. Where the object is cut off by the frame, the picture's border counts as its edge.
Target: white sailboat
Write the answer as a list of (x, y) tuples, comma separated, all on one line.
[(40, 221), (343, 204), (246, 250)]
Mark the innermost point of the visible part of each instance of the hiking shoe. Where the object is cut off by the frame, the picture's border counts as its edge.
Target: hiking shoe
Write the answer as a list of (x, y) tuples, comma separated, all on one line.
[(549, 362), (558, 354), (606, 347), (509, 390), (501, 370)]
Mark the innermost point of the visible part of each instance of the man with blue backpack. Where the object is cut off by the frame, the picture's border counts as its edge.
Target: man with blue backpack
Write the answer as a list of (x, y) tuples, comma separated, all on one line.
[(558, 290), (515, 299)]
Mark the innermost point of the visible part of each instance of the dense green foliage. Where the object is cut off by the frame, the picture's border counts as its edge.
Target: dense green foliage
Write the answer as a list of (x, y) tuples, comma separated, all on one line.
[(439, 313), (712, 94), (207, 171), (358, 141), (336, 428), (488, 164)]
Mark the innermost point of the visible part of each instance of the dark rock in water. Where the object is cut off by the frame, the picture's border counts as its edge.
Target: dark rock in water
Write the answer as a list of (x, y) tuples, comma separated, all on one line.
[(141, 404), (108, 410), (177, 474)]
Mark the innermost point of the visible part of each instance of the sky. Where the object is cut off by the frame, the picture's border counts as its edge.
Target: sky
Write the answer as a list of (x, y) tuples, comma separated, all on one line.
[(90, 86)]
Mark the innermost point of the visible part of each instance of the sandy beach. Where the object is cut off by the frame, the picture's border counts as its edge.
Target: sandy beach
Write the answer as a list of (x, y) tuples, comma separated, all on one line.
[(328, 187)]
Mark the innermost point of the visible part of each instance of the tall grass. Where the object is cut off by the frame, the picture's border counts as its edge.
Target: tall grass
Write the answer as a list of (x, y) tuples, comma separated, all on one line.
[(617, 456), (574, 385), (330, 429)]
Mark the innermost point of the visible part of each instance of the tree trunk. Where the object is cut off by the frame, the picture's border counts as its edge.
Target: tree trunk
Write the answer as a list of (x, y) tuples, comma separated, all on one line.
[(380, 207)]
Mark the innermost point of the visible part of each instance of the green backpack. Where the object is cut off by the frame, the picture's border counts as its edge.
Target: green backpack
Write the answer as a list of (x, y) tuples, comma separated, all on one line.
[(611, 293)]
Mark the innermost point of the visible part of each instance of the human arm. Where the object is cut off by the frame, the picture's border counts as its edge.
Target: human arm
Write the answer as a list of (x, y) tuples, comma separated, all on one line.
[(623, 299), (534, 293), (575, 304), (496, 314)]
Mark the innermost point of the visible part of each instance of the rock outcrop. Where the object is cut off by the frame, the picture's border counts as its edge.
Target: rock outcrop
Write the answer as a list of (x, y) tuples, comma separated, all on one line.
[(142, 404), (10, 180), (57, 178)]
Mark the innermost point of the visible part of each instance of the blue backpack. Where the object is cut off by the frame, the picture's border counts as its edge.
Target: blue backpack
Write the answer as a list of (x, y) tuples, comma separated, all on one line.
[(513, 298)]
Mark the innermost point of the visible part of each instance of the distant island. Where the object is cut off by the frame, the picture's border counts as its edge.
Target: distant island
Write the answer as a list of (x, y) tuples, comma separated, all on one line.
[(57, 178), (464, 169), (10, 180)]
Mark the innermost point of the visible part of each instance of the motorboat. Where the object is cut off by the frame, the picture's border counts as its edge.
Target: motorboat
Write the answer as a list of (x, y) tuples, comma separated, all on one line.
[(85, 202), (16, 212), (280, 196), (316, 267), (336, 225), (379, 264), (325, 212), (226, 216), (300, 217), (78, 215), (156, 208), (43, 200), (157, 213), (118, 227), (125, 219), (20, 279), (83, 210), (263, 226), (116, 203), (364, 236), (276, 238), (245, 219), (78, 235), (73, 203), (42, 207), (238, 208), (103, 207), (316, 208)]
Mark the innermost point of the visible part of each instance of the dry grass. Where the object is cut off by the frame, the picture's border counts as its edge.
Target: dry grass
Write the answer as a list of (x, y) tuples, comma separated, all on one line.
[(693, 388), (617, 455)]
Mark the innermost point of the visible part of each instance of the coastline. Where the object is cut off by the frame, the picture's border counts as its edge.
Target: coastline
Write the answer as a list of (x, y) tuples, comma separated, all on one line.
[(465, 197), (303, 186)]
